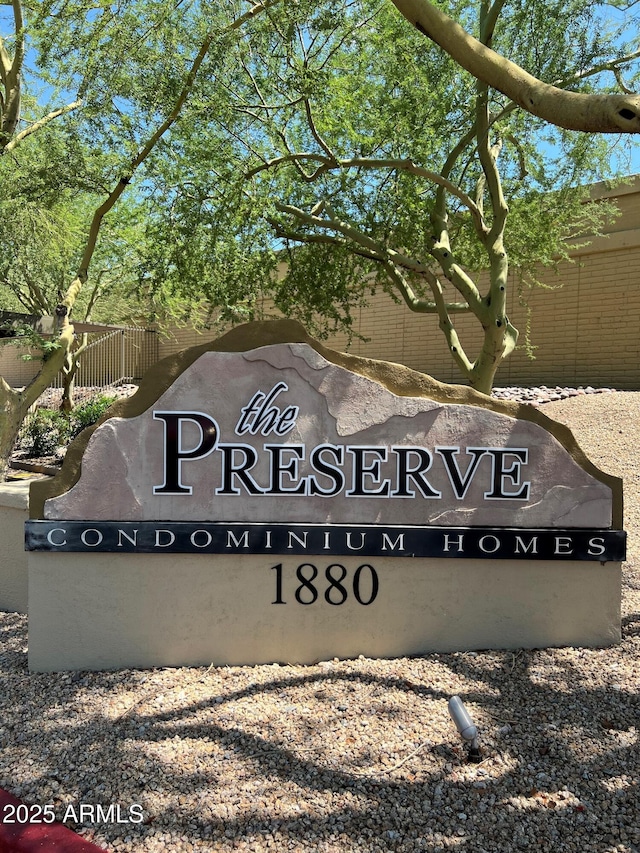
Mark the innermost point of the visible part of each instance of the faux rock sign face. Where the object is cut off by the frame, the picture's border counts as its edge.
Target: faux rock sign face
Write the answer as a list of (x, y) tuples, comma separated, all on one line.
[(281, 435)]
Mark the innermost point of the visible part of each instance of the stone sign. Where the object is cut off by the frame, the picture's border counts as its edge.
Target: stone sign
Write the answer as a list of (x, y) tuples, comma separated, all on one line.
[(282, 502)]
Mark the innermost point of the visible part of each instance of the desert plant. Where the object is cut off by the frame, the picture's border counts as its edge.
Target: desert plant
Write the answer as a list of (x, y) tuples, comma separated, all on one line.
[(87, 413), (49, 429), (45, 431)]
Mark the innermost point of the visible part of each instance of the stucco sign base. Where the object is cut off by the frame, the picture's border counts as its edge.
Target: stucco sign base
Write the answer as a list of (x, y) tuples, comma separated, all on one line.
[(112, 611)]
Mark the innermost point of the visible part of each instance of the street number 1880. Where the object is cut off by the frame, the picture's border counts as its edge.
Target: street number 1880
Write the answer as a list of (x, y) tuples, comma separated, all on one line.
[(334, 588)]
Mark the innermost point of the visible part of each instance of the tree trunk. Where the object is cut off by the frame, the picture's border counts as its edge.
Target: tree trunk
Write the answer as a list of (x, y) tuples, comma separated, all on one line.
[(67, 402), (483, 373), (15, 404), (70, 372), (500, 337), (13, 413)]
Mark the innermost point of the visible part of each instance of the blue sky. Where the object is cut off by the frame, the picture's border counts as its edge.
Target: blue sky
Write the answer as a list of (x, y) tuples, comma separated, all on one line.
[(635, 159)]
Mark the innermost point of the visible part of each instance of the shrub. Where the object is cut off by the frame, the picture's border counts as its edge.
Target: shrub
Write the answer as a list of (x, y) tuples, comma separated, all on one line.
[(89, 412), (46, 431), (50, 429)]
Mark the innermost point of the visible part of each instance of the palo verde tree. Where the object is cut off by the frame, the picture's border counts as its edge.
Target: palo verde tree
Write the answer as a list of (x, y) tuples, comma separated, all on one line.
[(374, 160), (43, 217), (122, 77)]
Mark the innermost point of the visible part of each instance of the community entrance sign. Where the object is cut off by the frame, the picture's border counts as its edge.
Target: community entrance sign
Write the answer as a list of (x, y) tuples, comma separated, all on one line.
[(282, 502)]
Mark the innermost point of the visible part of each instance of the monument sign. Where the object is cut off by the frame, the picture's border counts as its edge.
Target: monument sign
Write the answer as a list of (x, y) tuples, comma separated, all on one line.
[(280, 502)]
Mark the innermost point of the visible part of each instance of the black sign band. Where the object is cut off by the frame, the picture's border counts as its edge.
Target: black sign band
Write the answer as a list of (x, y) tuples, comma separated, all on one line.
[(159, 537)]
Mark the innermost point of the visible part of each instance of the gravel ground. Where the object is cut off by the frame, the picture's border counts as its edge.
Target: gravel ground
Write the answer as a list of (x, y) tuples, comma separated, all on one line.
[(351, 755), (51, 398)]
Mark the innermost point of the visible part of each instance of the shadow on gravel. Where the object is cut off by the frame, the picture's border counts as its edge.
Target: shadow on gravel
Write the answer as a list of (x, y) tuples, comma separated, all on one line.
[(631, 625), (13, 643), (560, 769)]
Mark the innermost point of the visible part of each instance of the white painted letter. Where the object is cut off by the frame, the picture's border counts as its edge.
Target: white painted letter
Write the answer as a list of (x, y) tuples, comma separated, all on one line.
[(83, 537), (50, 534), (132, 539), (563, 545), (170, 533), (532, 544), (489, 550), (387, 544), (459, 543)]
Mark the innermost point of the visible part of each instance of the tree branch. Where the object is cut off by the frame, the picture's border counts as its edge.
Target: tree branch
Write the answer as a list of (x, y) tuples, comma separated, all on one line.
[(404, 165), (18, 58), (490, 21), (412, 300), (64, 309), (333, 223), (407, 165), (458, 277), (289, 158), (612, 65), (331, 239), (314, 131), (620, 81), (351, 233), (571, 110), (488, 155), (11, 78), (153, 140), (5, 63), (451, 336), (37, 125)]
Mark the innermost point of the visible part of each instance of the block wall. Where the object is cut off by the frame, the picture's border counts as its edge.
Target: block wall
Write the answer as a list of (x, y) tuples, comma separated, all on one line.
[(14, 369)]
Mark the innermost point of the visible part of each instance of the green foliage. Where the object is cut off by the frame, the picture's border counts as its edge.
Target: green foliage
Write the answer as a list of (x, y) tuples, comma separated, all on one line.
[(87, 413), (304, 165), (100, 88), (316, 87), (45, 432), (39, 228), (45, 211), (340, 120), (48, 429)]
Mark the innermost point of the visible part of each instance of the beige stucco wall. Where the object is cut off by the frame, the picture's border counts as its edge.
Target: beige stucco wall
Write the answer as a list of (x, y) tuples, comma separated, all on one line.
[(14, 499), (107, 611)]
